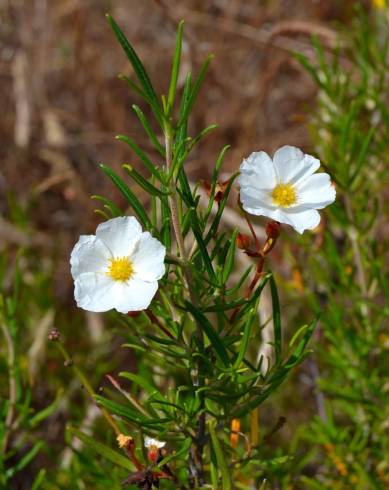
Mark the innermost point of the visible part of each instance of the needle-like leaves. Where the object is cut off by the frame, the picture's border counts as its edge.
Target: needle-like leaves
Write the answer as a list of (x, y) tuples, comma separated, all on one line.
[(129, 195), (102, 449), (137, 66), (175, 68)]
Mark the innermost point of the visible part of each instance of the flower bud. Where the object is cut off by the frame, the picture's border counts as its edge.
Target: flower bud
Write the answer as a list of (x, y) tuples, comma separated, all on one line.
[(242, 241), (153, 446), (273, 229), (54, 335)]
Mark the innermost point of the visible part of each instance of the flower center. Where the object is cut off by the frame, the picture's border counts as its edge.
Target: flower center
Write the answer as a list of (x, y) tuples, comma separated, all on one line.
[(284, 195), (120, 269)]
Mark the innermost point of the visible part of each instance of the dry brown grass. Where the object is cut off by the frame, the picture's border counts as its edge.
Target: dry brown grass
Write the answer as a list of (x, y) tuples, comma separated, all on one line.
[(63, 103)]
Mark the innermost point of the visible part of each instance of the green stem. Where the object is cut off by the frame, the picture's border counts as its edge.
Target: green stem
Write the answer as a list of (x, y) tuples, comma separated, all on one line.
[(84, 381), (12, 386), (196, 377), (357, 258)]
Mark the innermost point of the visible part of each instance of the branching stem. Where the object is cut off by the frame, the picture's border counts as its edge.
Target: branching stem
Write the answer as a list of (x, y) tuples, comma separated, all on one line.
[(197, 377), (80, 375), (158, 323)]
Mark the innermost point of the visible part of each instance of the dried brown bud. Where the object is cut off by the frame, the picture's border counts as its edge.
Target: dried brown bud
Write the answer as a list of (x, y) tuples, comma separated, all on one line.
[(124, 441), (273, 229), (220, 189), (206, 186), (54, 335), (235, 428), (242, 241), (133, 314)]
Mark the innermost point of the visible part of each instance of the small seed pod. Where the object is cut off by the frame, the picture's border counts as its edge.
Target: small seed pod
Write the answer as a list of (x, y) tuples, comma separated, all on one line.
[(54, 335)]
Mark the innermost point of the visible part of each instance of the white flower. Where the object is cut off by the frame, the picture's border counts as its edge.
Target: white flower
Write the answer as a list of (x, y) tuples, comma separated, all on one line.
[(118, 268), (151, 443), (285, 189)]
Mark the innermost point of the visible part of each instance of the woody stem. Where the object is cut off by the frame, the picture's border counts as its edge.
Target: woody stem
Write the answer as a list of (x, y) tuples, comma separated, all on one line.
[(197, 377)]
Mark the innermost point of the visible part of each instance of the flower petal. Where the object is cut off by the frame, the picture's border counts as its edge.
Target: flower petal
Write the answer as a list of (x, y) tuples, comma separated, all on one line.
[(309, 166), (149, 442), (261, 210), (96, 291), (148, 258), (302, 220), (254, 199), (315, 192), (287, 162), (258, 171), (135, 295), (292, 165), (88, 255), (120, 235)]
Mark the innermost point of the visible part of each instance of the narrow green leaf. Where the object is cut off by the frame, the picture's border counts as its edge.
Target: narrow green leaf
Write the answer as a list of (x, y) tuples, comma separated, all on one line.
[(143, 383), (122, 410), (210, 332), (134, 60), (230, 259), (346, 128), (214, 180), (104, 451), (108, 204), (166, 222), (102, 214), (224, 306), (312, 70), (140, 153), (221, 462), (39, 479), (222, 204), (25, 460), (253, 300), (142, 182), (213, 472), (279, 375), (186, 191), (47, 411), (129, 195), (178, 162), (134, 87), (244, 341), (239, 284), (175, 67), (150, 133), (202, 247), (182, 129), (195, 90), (295, 358), (276, 319), (183, 451), (362, 154), (298, 334)]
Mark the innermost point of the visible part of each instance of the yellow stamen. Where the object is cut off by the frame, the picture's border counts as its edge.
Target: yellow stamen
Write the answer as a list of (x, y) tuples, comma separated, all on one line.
[(284, 195), (124, 441), (120, 269), (379, 4)]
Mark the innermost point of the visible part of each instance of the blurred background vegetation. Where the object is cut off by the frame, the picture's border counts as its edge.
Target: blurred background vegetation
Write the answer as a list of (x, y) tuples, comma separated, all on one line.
[(62, 105)]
